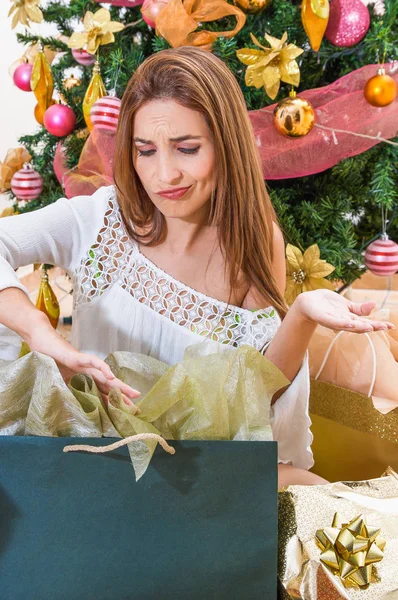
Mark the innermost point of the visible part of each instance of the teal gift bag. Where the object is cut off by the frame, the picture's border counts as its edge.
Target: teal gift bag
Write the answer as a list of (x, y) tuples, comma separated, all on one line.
[(199, 525)]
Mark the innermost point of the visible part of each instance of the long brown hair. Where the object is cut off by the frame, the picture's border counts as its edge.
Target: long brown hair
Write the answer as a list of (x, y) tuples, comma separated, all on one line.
[(240, 206)]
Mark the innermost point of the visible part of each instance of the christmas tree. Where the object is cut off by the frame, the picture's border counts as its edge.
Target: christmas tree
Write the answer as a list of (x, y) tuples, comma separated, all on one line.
[(337, 208)]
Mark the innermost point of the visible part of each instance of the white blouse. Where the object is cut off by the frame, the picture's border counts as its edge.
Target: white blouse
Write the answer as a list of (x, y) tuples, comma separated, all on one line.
[(123, 301)]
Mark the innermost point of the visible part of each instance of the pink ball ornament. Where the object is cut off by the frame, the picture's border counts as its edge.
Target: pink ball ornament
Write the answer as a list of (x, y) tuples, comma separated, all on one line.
[(59, 120), (150, 10), (348, 23), (22, 75), (26, 183), (105, 113), (83, 57), (381, 256)]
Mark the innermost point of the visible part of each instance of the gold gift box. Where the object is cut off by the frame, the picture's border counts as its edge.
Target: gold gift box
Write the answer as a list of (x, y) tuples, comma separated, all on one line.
[(352, 439), (305, 510)]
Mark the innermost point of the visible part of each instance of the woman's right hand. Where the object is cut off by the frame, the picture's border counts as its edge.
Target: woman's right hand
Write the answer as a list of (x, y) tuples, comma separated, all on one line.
[(43, 338)]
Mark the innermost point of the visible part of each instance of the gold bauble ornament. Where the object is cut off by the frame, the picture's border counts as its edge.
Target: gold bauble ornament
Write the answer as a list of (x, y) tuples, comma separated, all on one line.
[(381, 89), (68, 84), (294, 116), (252, 7)]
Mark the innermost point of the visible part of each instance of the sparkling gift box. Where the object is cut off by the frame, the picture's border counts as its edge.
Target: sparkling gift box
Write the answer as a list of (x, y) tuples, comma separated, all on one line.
[(340, 541)]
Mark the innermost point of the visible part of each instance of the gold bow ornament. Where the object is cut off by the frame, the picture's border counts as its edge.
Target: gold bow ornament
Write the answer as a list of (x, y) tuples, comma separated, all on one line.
[(269, 66), (13, 162), (350, 550), (178, 20), (24, 12), (98, 31)]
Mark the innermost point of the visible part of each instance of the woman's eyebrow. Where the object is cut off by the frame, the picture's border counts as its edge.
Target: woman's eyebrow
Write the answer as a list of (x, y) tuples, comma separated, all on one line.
[(181, 138)]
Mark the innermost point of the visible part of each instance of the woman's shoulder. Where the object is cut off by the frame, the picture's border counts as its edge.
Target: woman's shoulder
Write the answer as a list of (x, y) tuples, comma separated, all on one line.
[(98, 201)]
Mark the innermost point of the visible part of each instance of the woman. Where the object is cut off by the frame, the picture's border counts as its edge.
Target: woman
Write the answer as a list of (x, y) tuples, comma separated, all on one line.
[(186, 245)]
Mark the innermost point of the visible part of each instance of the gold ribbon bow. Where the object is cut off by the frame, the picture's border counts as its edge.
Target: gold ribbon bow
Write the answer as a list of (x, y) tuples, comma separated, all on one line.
[(179, 19), (14, 160), (350, 550)]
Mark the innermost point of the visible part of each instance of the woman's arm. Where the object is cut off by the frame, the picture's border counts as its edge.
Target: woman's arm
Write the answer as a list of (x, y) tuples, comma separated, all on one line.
[(57, 234), (319, 307)]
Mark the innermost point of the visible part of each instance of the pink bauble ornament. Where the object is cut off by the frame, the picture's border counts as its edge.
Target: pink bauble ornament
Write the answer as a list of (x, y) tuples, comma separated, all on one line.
[(127, 3), (59, 120), (83, 57), (381, 256), (26, 183), (348, 23), (150, 10), (22, 75), (105, 113)]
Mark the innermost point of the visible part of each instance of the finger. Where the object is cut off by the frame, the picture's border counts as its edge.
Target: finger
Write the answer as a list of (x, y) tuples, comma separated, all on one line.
[(131, 404), (105, 385), (355, 325), (381, 325), (363, 309), (87, 361)]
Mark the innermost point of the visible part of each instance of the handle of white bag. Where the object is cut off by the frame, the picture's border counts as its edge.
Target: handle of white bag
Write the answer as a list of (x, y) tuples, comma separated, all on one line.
[(372, 347)]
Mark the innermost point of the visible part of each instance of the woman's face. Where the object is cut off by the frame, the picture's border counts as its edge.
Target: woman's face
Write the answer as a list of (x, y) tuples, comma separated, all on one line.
[(174, 158)]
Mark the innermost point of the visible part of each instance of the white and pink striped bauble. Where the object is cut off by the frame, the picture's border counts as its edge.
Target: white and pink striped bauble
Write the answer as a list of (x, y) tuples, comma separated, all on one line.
[(105, 113), (83, 57), (26, 183), (381, 256)]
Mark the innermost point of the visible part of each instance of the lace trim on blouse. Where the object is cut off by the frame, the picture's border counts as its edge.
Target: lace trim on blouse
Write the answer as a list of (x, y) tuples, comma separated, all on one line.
[(115, 258)]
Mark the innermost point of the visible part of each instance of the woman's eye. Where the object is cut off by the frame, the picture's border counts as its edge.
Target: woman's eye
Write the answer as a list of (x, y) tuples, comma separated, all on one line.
[(146, 152), (189, 150)]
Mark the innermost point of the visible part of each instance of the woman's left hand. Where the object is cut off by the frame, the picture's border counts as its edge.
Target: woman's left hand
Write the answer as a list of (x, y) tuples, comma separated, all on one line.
[(332, 310)]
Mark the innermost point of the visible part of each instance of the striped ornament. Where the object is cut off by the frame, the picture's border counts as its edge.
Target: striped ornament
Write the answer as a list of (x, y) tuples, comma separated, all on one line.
[(105, 113), (381, 257), (26, 183), (83, 57)]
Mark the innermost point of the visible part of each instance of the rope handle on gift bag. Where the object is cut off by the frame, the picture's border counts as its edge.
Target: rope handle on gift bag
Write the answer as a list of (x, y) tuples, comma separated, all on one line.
[(132, 438), (372, 347)]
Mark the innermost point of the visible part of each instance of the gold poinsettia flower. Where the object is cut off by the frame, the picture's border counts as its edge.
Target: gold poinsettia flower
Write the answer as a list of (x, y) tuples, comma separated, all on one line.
[(305, 272), (25, 11), (269, 66), (98, 30)]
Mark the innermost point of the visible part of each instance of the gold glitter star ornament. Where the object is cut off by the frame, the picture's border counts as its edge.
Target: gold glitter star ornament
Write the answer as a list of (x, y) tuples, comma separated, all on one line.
[(269, 66), (24, 12), (98, 31), (305, 272)]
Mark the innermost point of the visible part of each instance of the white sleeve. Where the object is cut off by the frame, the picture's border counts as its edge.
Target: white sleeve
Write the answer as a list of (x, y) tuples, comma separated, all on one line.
[(57, 235), (290, 421)]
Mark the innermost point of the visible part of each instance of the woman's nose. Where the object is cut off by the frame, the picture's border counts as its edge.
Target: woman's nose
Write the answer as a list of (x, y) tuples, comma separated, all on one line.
[(168, 171)]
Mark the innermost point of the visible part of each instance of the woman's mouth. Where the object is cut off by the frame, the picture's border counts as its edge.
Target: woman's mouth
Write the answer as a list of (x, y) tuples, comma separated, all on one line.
[(174, 193)]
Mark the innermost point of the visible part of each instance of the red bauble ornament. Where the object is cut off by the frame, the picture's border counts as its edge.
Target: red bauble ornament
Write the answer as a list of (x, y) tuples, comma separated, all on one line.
[(83, 57), (348, 23), (381, 256), (22, 75), (105, 113), (26, 183), (150, 10), (59, 120)]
